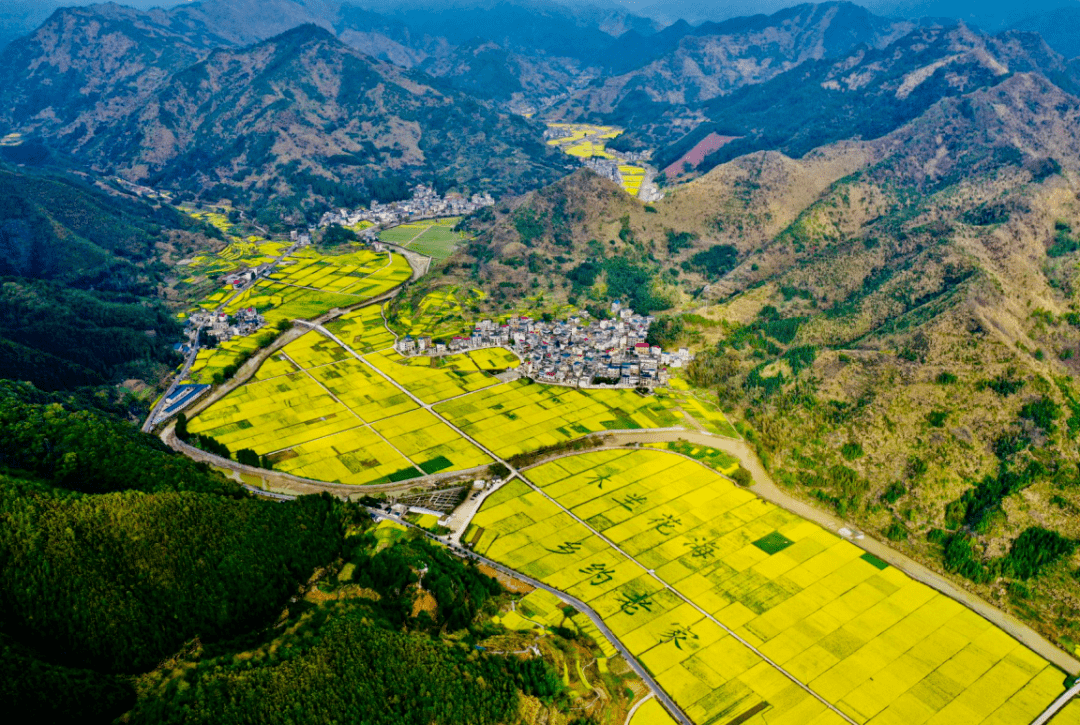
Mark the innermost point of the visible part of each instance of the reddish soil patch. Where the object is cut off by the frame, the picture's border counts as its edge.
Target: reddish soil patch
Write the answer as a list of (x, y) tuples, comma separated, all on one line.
[(514, 586), (693, 157)]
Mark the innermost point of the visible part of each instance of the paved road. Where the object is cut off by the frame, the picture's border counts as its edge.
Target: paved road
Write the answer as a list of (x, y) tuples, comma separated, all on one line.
[(1057, 706)]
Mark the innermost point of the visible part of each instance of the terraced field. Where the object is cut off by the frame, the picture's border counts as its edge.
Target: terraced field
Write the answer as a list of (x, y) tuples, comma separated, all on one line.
[(441, 313), (737, 606), (309, 284)]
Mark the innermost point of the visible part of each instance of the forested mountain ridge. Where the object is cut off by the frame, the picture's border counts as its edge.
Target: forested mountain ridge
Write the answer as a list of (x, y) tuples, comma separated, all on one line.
[(301, 117), (80, 272), (671, 74), (823, 101), (304, 119)]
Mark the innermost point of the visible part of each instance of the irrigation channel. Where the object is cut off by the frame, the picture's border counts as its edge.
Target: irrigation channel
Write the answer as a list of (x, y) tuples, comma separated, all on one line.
[(281, 486)]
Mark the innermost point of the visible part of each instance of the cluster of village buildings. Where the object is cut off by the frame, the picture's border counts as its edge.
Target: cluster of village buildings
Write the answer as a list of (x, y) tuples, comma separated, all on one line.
[(581, 351), (246, 321), (424, 204)]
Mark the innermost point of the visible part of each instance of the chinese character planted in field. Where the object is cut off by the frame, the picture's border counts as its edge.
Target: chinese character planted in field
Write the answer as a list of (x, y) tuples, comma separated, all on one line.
[(702, 548), (599, 481), (632, 501), (677, 634), (633, 603), (599, 572), (568, 547), (665, 524)]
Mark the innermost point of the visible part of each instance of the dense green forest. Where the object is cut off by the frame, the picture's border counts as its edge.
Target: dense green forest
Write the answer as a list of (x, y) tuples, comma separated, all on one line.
[(59, 439), (62, 229), (158, 568), (119, 557), (80, 272), (415, 670), (59, 338)]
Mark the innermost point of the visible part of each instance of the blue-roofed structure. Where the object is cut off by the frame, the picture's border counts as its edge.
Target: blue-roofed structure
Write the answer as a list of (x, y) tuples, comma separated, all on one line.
[(180, 398)]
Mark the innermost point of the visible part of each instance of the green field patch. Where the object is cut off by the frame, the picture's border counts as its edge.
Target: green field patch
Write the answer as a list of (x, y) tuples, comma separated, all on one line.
[(874, 561), (436, 464), (403, 474), (773, 543)]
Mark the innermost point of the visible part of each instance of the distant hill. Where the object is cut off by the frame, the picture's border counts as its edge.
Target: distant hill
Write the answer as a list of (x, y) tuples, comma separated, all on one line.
[(822, 101), (249, 124), (663, 79), (1057, 27)]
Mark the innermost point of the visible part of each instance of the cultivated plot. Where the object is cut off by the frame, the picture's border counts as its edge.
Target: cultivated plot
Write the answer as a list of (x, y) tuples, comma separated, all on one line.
[(433, 379), (494, 358), (523, 416), (318, 412), (432, 237), (310, 284), (652, 713), (363, 330), (877, 645)]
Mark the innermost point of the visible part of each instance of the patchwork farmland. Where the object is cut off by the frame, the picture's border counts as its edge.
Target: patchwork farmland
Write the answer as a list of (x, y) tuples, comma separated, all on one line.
[(345, 415), (746, 613), (307, 285)]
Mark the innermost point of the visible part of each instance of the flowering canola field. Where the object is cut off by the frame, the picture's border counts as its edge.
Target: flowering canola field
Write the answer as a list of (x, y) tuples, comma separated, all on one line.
[(754, 615)]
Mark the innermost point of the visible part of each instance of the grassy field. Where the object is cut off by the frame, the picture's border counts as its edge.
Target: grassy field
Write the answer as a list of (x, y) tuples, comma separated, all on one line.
[(879, 646), (433, 237)]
